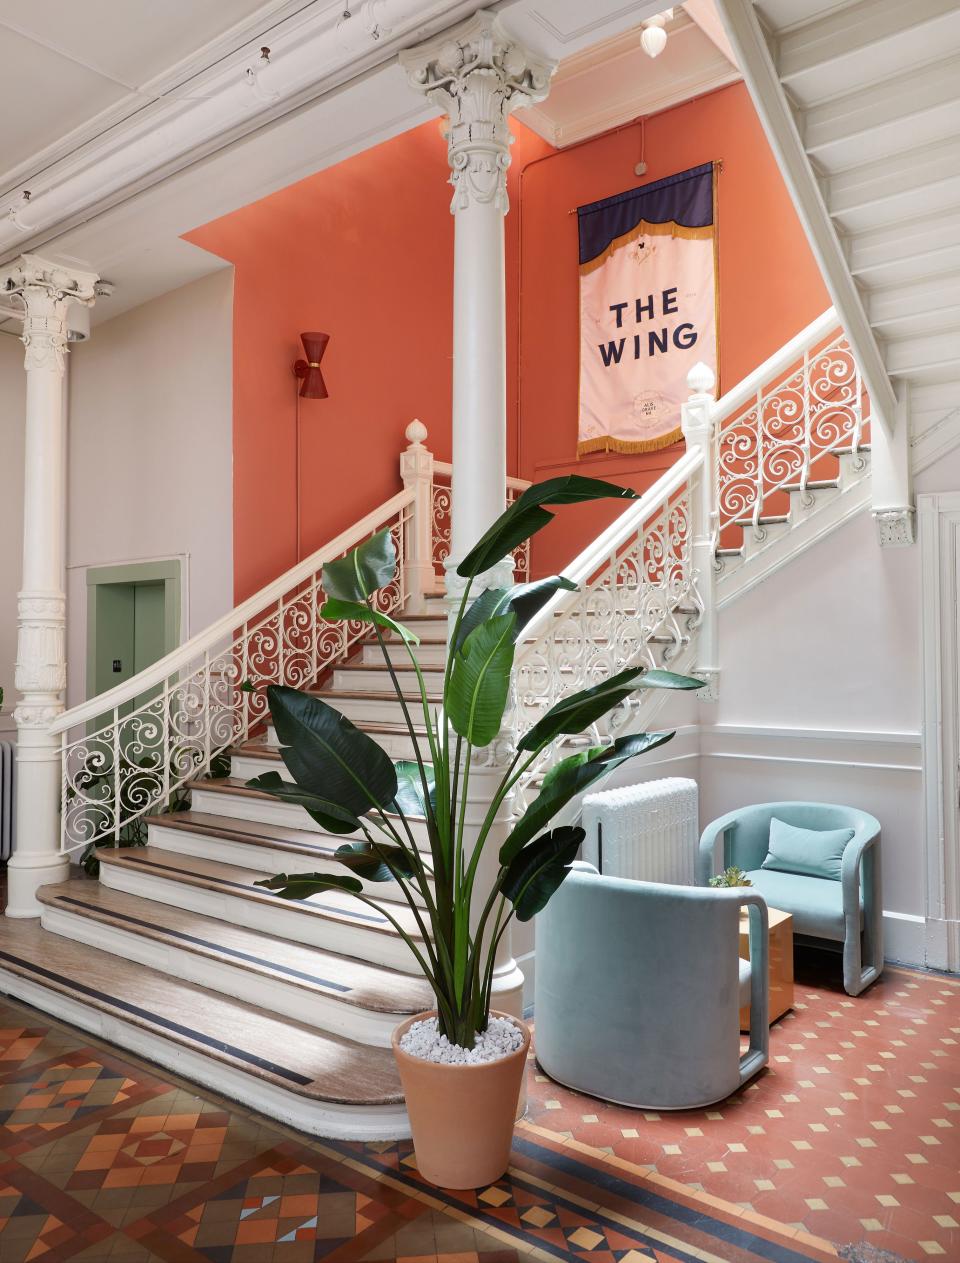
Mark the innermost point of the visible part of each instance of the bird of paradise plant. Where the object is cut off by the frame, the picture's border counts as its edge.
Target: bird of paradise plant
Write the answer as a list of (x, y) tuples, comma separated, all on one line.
[(349, 785)]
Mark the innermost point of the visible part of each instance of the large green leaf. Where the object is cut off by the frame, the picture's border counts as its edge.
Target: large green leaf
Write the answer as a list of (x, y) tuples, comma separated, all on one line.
[(370, 566), (524, 599), (409, 797), (328, 815), (527, 515), (303, 885), (570, 777), (579, 710), (536, 872), (327, 755), (375, 863), (477, 692), (338, 611)]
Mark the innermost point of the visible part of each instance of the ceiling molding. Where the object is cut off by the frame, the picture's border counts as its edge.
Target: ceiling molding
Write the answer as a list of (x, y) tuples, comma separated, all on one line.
[(312, 54), (584, 99)]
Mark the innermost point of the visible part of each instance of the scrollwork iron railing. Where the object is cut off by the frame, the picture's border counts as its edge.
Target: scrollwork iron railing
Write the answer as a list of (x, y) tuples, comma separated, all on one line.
[(815, 408), (637, 603), (126, 752), (441, 494)]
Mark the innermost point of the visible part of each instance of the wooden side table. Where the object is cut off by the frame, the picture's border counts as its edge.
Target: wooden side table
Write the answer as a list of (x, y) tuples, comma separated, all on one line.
[(780, 959)]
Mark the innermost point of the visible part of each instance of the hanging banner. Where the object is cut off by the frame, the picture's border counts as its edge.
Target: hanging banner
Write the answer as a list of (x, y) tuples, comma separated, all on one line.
[(648, 309)]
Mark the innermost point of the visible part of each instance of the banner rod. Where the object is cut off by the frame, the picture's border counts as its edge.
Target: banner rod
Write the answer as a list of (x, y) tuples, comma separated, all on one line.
[(718, 166)]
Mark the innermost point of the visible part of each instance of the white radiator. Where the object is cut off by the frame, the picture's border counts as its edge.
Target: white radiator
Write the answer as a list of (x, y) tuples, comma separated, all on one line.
[(6, 799), (649, 832)]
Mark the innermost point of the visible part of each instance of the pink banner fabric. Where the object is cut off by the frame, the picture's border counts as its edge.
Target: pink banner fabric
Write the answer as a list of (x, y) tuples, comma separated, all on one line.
[(648, 310)]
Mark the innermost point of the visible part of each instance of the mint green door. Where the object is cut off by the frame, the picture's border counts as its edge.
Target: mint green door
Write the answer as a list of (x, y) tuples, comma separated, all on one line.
[(129, 633)]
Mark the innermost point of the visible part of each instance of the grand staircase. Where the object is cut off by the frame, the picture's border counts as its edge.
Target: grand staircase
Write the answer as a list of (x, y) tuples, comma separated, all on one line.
[(177, 954)]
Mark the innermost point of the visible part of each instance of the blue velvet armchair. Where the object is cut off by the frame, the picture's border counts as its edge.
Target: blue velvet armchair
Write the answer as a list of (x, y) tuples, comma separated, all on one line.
[(848, 911), (638, 988)]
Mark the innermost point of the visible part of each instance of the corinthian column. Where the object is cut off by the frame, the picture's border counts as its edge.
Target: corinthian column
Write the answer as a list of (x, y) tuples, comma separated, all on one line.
[(477, 76), (45, 289)]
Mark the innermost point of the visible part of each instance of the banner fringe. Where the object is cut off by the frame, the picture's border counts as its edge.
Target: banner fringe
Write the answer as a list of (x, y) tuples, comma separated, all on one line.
[(606, 443)]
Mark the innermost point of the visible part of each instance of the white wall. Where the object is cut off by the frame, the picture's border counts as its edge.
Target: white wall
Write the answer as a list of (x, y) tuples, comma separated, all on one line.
[(151, 443), (12, 402), (151, 474)]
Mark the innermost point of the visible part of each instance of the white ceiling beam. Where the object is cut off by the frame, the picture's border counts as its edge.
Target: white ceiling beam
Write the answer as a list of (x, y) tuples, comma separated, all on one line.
[(927, 353), (309, 59), (753, 57), (895, 103), (925, 243), (849, 31), (912, 179)]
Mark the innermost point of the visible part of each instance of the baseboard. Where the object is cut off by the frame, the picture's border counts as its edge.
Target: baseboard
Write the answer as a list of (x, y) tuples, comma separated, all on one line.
[(905, 938)]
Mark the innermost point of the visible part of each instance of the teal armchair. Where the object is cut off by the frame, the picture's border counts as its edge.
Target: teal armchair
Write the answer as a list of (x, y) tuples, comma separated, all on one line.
[(848, 911), (638, 989)]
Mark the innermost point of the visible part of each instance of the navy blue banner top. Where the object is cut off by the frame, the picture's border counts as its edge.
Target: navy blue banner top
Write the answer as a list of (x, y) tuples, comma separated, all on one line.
[(685, 199)]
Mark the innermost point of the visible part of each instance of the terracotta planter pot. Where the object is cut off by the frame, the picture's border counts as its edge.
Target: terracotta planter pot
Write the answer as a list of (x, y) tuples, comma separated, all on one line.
[(462, 1117)]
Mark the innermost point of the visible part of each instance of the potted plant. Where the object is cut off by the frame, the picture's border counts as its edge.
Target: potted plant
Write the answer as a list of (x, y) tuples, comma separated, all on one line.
[(730, 877), (461, 1066)]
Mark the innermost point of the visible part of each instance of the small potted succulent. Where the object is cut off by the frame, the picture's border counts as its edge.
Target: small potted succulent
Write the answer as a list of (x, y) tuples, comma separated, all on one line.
[(731, 876), (461, 1065)]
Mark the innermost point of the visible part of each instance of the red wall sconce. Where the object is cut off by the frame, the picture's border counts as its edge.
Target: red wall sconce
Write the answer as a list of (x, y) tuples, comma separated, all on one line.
[(312, 385)]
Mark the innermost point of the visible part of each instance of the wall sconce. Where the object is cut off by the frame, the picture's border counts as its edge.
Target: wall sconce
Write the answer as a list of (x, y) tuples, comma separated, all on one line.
[(312, 385), (654, 37)]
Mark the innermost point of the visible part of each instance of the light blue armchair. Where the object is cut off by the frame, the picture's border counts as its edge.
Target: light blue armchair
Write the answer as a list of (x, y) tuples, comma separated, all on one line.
[(638, 988), (848, 911)]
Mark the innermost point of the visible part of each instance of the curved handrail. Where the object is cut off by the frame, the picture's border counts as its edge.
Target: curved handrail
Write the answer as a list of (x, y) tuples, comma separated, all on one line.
[(246, 612), (609, 542)]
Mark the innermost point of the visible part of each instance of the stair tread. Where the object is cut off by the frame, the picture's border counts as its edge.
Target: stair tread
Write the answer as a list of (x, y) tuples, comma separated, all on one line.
[(358, 694), (295, 1057), (234, 786), (427, 668), (331, 905), (278, 837), (355, 982)]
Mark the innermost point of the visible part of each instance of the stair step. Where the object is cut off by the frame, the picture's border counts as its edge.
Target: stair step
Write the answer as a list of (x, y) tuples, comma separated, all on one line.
[(318, 1082), (249, 844), (366, 709), (351, 678), (230, 797), (333, 920), (394, 738), (351, 998), (430, 654)]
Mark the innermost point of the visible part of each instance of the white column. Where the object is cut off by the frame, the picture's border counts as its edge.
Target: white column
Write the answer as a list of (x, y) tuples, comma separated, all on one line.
[(891, 477), (696, 419), (45, 288), (477, 75)]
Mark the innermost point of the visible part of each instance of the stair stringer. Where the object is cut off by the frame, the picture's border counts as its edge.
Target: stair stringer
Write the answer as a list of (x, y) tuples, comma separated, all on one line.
[(805, 527)]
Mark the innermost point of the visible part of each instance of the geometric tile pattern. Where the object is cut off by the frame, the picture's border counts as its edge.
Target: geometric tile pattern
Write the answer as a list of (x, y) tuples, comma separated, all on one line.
[(851, 1137), (852, 1134)]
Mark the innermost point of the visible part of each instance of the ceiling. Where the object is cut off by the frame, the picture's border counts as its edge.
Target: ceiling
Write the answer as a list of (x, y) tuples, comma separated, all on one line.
[(96, 88), (66, 66)]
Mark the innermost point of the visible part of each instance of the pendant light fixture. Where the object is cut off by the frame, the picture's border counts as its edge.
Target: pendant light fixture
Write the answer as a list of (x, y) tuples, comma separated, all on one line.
[(654, 38)]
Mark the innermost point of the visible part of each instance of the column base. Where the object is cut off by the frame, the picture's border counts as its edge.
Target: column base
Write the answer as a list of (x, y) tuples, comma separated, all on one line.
[(25, 875), (506, 994)]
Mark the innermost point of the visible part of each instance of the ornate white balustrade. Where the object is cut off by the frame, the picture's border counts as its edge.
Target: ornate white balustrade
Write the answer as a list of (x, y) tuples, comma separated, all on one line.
[(442, 507), (127, 751), (774, 431), (637, 604)]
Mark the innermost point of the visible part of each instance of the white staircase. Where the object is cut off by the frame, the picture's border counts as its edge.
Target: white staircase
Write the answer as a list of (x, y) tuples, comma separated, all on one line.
[(861, 102), (176, 953)]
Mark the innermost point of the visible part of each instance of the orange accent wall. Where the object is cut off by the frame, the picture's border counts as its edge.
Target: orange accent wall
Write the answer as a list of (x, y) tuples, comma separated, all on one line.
[(364, 252), (770, 286)]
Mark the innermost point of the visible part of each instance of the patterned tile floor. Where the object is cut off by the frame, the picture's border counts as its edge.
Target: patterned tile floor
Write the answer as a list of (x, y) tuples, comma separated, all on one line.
[(848, 1143)]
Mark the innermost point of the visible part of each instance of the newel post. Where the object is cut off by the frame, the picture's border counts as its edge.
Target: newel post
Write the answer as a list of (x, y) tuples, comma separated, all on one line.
[(696, 419), (416, 471)]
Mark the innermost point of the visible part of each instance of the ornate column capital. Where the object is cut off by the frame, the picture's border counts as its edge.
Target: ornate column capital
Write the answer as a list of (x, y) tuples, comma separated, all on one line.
[(478, 76), (45, 287)]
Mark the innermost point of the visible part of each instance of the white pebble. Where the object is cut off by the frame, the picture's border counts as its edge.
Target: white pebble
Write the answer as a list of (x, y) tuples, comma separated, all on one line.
[(500, 1039)]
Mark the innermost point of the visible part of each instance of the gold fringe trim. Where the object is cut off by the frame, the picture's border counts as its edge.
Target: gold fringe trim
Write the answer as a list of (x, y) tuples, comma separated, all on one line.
[(646, 229), (607, 443)]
